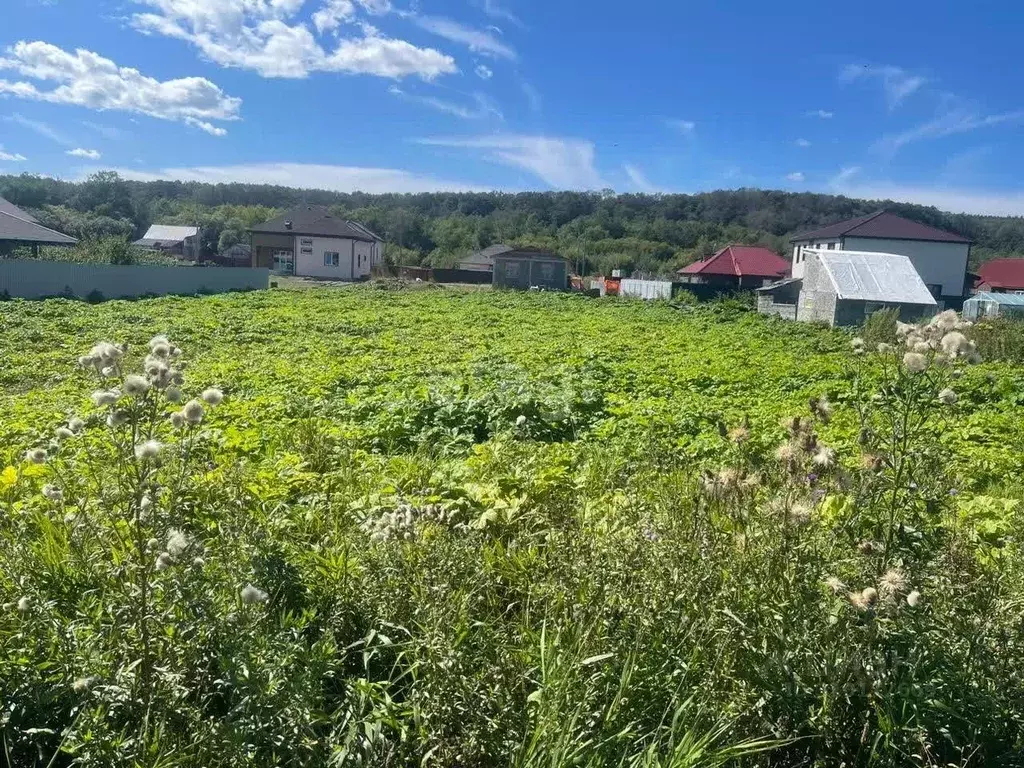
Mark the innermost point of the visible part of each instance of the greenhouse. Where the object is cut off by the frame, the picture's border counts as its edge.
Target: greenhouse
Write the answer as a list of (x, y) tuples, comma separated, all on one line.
[(983, 305)]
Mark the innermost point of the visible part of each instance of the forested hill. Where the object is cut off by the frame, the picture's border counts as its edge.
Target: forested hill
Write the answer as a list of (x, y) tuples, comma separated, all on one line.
[(647, 232)]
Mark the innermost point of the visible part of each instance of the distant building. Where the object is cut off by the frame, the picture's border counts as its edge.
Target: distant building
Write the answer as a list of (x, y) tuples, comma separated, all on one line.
[(310, 241), (239, 254), (738, 266), (17, 227), (1001, 276), (985, 305), (483, 261), (531, 269), (846, 287), (174, 240), (939, 257)]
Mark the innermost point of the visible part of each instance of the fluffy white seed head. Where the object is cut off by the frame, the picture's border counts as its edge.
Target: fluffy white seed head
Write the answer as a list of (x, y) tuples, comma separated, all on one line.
[(76, 425), (948, 397), (83, 684), (52, 492), (148, 450), (24, 604), (177, 542), (158, 340), (835, 585), (36, 455), (915, 362), (884, 348), (164, 561), (520, 420), (251, 595), (63, 433), (135, 385), (116, 419), (198, 562), (914, 599), (193, 411), (105, 397), (173, 395), (212, 396), (177, 420)]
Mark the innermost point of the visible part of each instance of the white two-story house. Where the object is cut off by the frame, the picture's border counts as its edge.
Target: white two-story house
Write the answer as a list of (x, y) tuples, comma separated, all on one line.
[(310, 241), (939, 257)]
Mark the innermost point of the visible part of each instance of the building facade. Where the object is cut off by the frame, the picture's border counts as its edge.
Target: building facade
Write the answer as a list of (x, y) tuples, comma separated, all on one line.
[(524, 270), (185, 242), (939, 257), (737, 266), (311, 242)]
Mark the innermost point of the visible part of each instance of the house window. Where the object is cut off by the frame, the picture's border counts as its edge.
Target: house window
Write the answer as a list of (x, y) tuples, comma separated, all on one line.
[(306, 241), (512, 269), (831, 246), (547, 272), (332, 258), (284, 263), (305, 250)]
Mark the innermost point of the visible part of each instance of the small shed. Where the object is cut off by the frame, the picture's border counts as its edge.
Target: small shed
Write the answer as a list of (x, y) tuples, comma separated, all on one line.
[(178, 241), (846, 287), (780, 298), (986, 304), (483, 261), (531, 269)]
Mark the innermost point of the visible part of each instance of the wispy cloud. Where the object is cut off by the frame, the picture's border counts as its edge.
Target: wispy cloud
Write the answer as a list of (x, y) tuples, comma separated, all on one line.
[(496, 10), (104, 130), (685, 127), (639, 180), (802, 143), (477, 40), (795, 176), (301, 175), (484, 72), (948, 124), (533, 97), (559, 163), (482, 107), (8, 157), (38, 126), (821, 113), (896, 81), (946, 198), (88, 154), (844, 175)]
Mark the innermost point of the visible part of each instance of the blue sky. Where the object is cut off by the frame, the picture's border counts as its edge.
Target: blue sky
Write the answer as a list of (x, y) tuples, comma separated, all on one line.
[(909, 100)]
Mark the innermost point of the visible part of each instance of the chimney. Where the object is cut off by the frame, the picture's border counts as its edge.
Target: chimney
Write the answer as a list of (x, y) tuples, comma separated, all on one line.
[(287, 224)]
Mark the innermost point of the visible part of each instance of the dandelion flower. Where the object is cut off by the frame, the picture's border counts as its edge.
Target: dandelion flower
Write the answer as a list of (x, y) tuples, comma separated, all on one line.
[(148, 450), (135, 385), (164, 561), (177, 542), (948, 397), (914, 599), (251, 594), (799, 515), (83, 684), (825, 458), (177, 420), (102, 397), (835, 585), (193, 411), (76, 425), (36, 455), (24, 604), (52, 492), (915, 362), (212, 396), (173, 395)]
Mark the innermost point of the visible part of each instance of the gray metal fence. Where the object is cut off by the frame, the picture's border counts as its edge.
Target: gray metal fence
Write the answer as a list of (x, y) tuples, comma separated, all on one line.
[(27, 279)]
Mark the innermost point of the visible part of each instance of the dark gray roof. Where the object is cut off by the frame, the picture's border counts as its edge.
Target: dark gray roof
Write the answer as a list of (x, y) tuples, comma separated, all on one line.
[(529, 254), (315, 221), (884, 225), (779, 284), (6, 206), (13, 228), (486, 256)]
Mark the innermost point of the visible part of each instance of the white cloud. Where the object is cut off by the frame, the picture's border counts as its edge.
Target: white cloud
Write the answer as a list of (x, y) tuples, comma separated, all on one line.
[(86, 79), (896, 81), (533, 96), (483, 72), (639, 180), (802, 143), (264, 36), (336, 178), (685, 127), (7, 157), (482, 108), (946, 198), (795, 176), (844, 175), (948, 124), (106, 131), (477, 40), (209, 128), (496, 10), (88, 154), (559, 163), (822, 113), (38, 126)]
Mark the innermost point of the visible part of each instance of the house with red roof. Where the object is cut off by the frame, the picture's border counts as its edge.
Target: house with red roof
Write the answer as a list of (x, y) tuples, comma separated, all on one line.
[(940, 257), (739, 266), (1001, 276)]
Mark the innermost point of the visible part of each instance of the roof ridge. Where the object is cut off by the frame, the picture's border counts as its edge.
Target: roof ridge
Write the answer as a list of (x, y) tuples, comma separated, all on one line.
[(735, 263), (37, 224)]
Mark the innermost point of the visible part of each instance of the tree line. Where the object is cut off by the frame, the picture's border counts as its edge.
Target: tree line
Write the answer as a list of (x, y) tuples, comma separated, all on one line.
[(599, 230)]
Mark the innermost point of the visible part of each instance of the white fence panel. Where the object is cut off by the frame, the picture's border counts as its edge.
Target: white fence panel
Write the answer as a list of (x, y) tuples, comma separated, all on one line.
[(26, 279), (646, 289)]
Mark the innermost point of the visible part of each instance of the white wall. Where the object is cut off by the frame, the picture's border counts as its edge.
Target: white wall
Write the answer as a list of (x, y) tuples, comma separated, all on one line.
[(312, 264), (942, 264), (800, 259), (363, 258)]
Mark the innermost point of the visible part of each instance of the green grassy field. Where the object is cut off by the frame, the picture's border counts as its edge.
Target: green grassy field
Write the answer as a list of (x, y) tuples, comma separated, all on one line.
[(505, 529)]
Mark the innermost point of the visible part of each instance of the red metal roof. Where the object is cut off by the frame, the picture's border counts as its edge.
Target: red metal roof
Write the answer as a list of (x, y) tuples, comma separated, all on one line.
[(1002, 273), (739, 261), (882, 225)]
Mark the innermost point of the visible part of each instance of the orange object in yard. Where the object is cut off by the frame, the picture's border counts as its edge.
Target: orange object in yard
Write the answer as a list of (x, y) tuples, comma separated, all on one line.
[(611, 286)]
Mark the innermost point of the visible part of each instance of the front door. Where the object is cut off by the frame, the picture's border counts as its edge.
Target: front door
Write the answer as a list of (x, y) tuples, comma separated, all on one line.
[(284, 262)]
